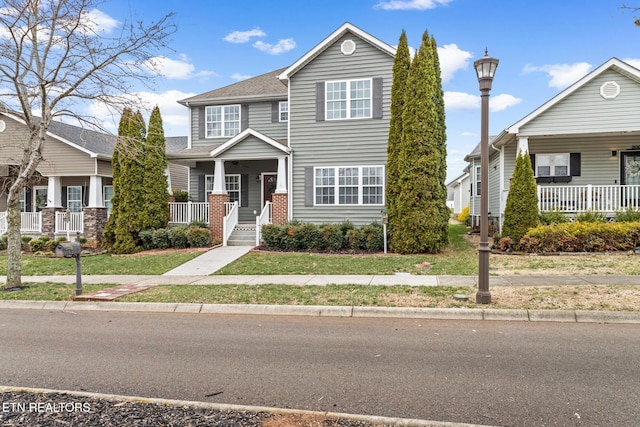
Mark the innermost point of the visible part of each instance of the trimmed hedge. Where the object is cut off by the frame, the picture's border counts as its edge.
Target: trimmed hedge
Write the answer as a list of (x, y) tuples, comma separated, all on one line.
[(582, 237), (296, 236), (178, 237)]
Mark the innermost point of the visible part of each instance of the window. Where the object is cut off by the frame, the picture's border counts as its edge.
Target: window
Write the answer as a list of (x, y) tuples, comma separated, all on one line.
[(40, 198), (477, 180), (232, 185), (348, 99), (552, 164), (107, 195), (355, 185), (284, 111), (222, 121), (74, 199), (23, 200)]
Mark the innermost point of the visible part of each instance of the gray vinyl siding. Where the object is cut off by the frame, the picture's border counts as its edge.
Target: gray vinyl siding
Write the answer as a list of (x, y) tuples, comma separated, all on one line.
[(494, 184), (585, 111), (252, 148), (179, 177), (259, 120), (104, 168), (357, 142)]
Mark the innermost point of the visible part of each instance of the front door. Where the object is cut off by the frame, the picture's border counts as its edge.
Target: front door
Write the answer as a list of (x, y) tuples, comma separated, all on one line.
[(630, 168), (269, 182)]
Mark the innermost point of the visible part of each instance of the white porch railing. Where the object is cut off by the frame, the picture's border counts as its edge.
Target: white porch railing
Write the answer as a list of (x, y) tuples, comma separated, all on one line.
[(30, 222), (69, 222), (230, 221), (262, 219), (186, 212), (582, 198)]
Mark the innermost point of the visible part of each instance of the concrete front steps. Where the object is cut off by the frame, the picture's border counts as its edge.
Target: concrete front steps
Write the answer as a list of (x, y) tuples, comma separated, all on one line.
[(243, 235)]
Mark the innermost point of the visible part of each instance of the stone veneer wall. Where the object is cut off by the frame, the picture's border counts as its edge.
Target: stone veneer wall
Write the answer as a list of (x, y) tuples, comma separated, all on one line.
[(49, 221), (95, 219)]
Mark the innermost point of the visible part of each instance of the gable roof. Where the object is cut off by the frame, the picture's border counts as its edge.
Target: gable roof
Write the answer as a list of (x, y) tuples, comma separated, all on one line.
[(613, 63), (264, 86), (347, 27), (91, 142), (242, 136)]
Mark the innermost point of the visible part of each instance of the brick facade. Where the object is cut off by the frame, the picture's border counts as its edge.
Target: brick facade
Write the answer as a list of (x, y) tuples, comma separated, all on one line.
[(217, 212), (280, 208)]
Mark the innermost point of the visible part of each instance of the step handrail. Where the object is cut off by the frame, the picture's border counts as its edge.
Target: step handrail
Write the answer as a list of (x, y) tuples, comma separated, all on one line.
[(262, 219)]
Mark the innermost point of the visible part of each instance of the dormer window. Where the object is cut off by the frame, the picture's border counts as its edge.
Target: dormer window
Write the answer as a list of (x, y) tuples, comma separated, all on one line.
[(222, 121)]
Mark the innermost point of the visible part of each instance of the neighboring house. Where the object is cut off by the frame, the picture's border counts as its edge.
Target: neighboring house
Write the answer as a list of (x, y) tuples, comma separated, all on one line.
[(73, 186), (458, 192), (584, 145), (308, 142)]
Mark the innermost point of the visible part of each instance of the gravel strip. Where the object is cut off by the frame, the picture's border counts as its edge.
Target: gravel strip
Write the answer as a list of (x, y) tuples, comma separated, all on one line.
[(59, 409)]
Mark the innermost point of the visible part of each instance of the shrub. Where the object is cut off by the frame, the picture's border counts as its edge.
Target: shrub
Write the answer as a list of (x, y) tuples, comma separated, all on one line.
[(178, 237), (521, 210), (198, 237), (181, 196), (146, 238), (582, 236), (373, 237), (591, 216), (332, 237), (309, 237), (273, 236), (161, 239), (553, 217), (629, 215), (3, 243), (198, 224), (505, 243), (463, 216)]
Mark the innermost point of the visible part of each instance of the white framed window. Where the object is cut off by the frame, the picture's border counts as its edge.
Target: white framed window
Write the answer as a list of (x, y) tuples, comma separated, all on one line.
[(233, 185), (478, 180), (283, 108), (23, 200), (107, 195), (348, 99), (552, 164), (349, 185), (40, 198), (222, 121), (74, 198)]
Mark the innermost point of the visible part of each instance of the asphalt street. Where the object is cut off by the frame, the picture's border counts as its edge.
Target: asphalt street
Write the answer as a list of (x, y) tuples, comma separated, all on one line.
[(489, 372)]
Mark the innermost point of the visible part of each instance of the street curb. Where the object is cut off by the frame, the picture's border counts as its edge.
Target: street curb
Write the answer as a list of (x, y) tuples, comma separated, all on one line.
[(376, 420), (490, 314)]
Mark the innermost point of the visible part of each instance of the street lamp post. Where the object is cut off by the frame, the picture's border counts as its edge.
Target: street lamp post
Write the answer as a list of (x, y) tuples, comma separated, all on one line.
[(485, 69)]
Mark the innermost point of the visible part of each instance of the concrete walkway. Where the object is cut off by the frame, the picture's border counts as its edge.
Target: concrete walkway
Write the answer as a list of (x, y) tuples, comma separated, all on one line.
[(210, 261)]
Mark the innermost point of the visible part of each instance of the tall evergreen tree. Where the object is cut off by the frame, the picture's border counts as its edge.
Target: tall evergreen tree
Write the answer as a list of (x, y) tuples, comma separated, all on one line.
[(419, 224), (156, 193), (401, 65), (521, 211)]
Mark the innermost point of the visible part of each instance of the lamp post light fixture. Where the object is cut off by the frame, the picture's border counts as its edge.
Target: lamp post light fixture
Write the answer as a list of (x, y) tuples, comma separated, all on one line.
[(485, 69)]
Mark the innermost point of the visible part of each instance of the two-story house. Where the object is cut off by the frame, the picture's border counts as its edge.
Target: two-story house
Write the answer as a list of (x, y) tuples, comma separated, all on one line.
[(307, 142)]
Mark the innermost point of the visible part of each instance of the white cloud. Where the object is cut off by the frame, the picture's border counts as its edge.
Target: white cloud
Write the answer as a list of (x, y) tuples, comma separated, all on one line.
[(282, 46), (452, 59), (468, 134), (502, 102), (456, 101), (561, 75), (411, 4), (99, 21), (238, 76), (179, 69), (244, 36), (633, 62)]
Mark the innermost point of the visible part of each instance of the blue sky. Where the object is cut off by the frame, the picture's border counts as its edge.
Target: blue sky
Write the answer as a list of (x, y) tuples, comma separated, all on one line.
[(543, 46)]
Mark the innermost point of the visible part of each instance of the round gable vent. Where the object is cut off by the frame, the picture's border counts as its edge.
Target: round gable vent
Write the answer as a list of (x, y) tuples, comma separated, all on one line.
[(348, 47), (609, 90), (3, 125)]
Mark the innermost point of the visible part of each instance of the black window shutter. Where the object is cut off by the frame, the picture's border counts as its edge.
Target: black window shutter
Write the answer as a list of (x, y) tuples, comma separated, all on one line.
[(574, 164), (376, 111), (28, 197), (202, 196), (275, 112), (244, 117), (319, 101), (308, 186), (533, 163), (201, 117), (244, 190), (64, 197), (85, 195)]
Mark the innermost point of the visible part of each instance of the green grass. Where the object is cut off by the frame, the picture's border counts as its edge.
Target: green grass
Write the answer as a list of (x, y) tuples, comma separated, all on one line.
[(101, 264), (460, 258), (48, 291), (356, 295)]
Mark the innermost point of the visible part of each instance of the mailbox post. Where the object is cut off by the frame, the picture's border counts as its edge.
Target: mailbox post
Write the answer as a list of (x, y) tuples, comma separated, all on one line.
[(68, 250), (385, 221)]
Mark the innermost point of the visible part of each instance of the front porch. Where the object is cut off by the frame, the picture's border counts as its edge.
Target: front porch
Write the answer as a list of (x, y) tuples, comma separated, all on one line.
[(575, 199)]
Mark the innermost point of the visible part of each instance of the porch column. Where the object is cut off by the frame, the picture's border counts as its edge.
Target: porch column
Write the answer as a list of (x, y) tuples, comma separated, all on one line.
[(219, 186), (217, 212), (95, 192), (95, 214), (167, 173), (523, 145), (281, 185), (54, 204)]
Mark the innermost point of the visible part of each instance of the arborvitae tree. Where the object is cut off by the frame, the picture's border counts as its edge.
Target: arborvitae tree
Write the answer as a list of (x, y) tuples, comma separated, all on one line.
[(129, 186), (521, 211), (156, 193), (401, 65), (419, 225)]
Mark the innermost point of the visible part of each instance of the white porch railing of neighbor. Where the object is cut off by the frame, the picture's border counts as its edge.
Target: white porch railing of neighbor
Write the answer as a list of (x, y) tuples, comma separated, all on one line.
[(31, 222), (3, 223), (69, 222), (262, 219), (582, 198), (186, 212), (230, 221)]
